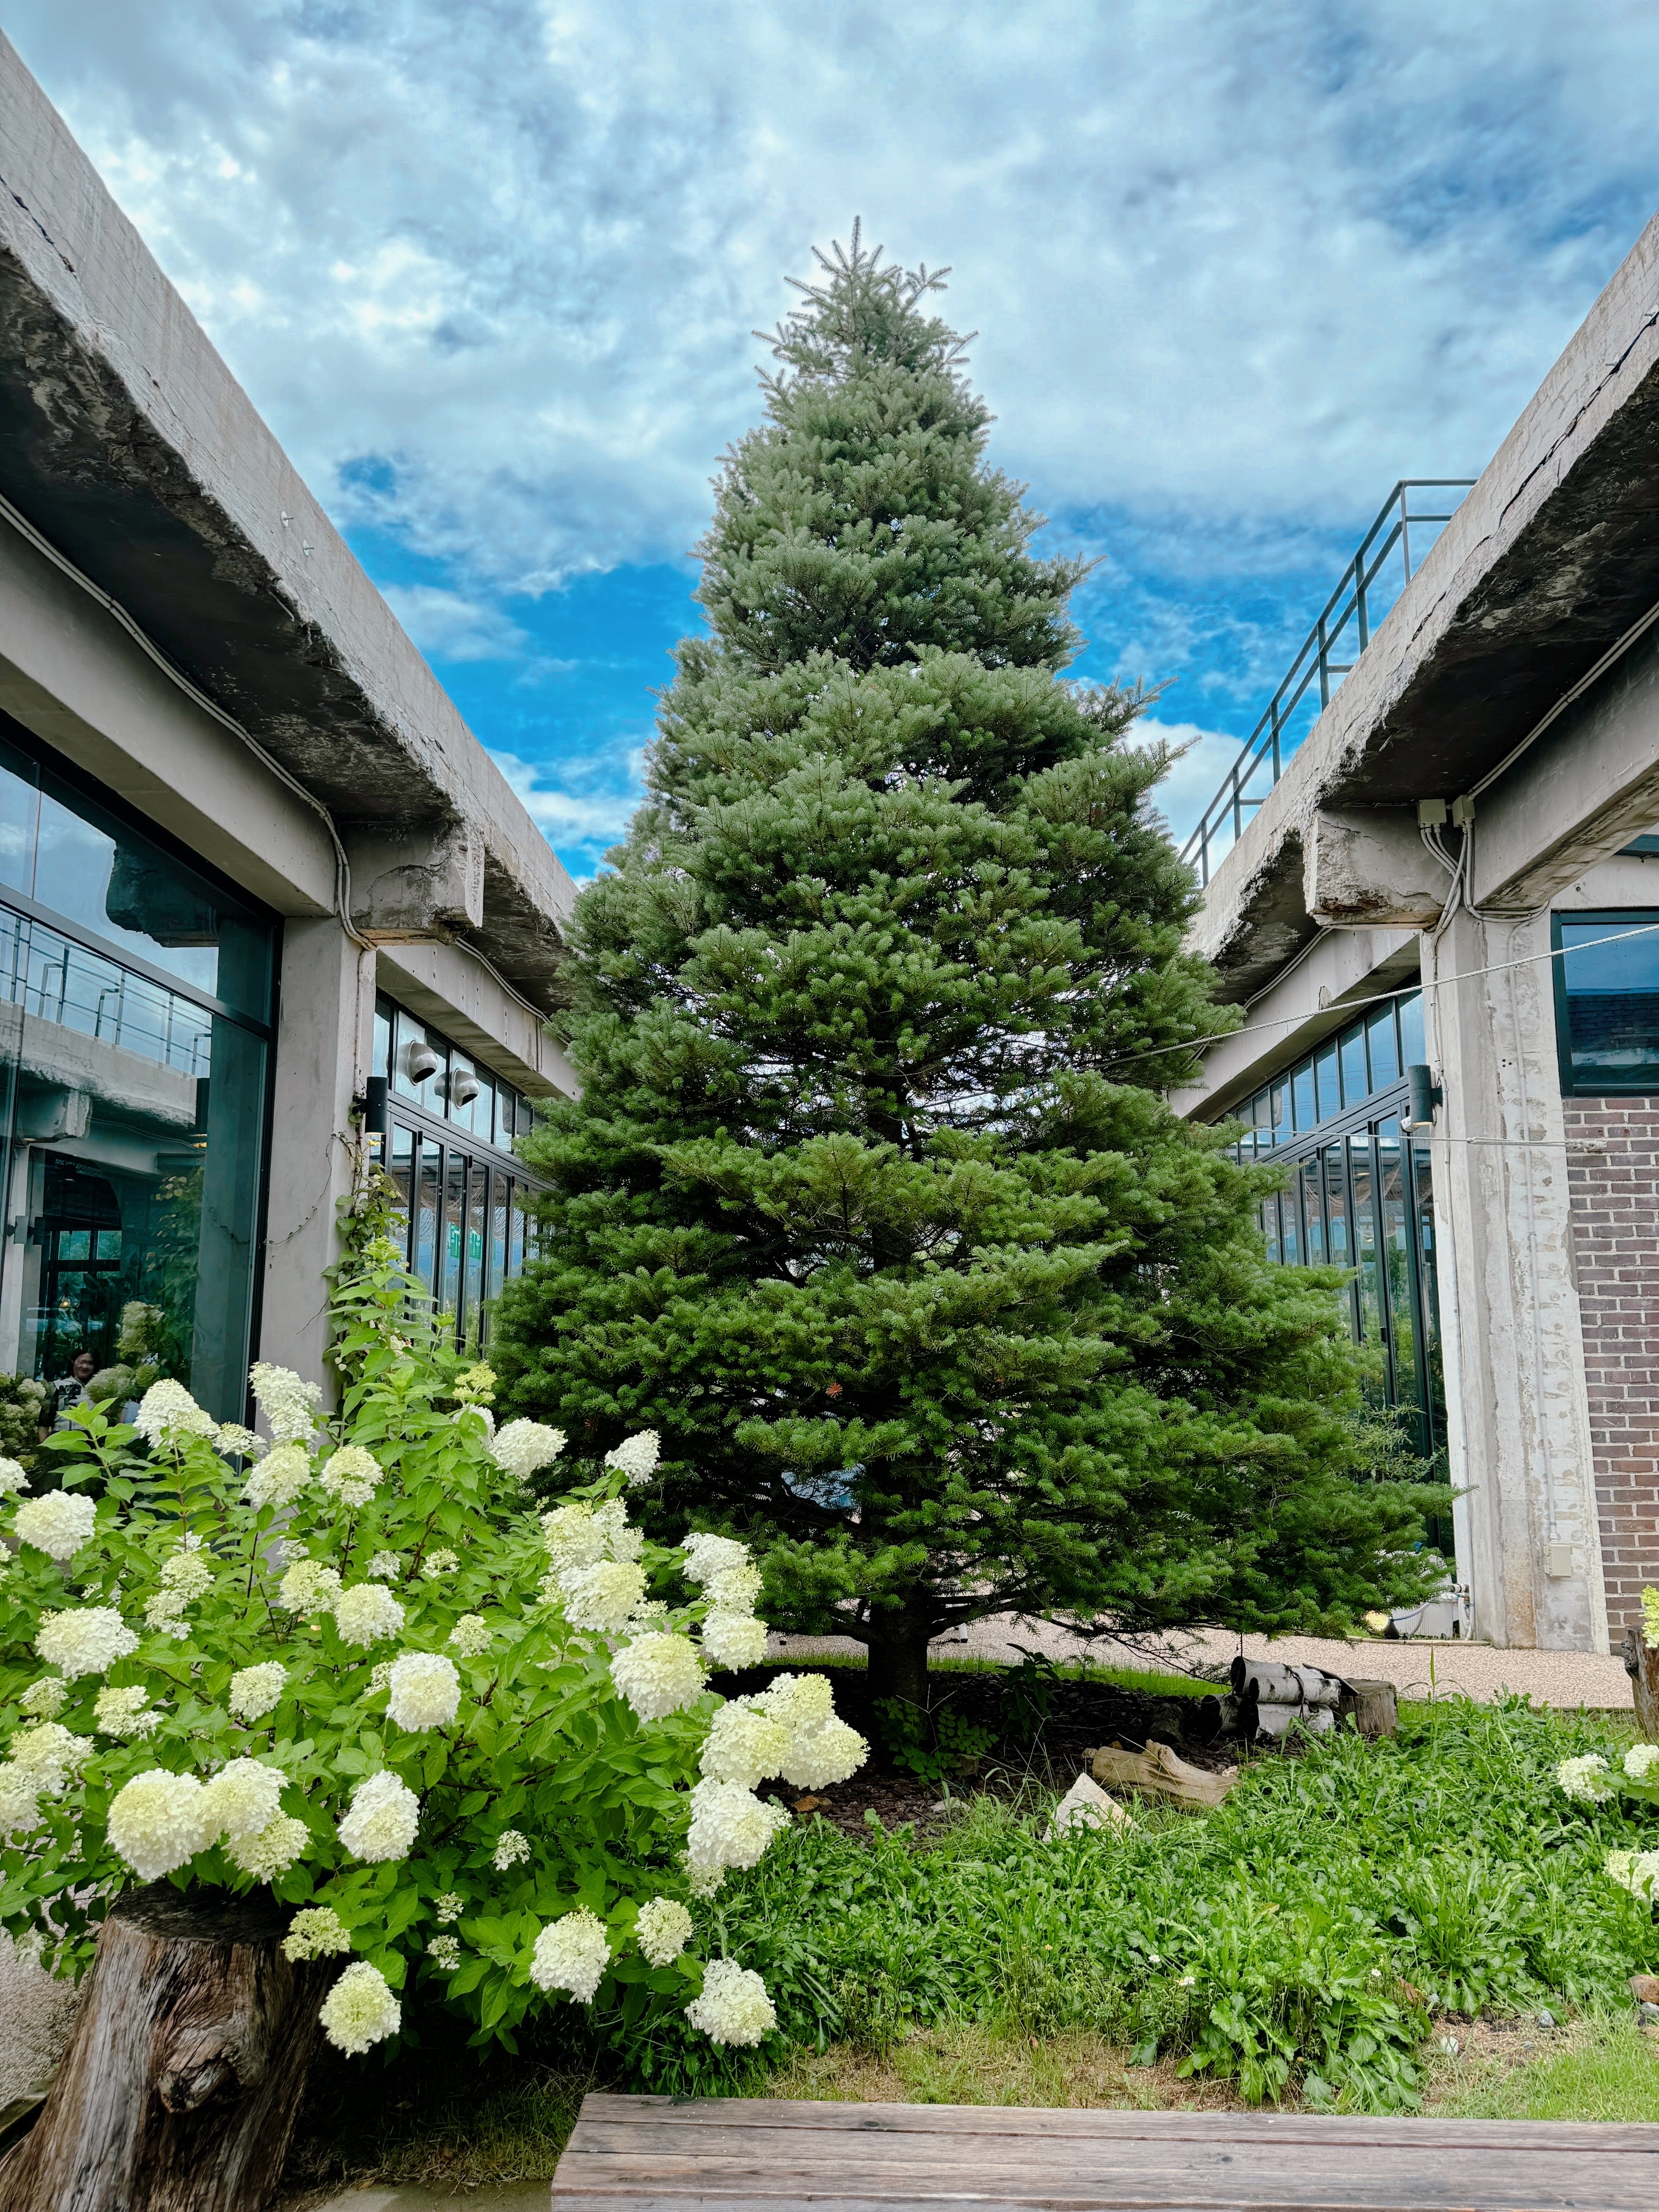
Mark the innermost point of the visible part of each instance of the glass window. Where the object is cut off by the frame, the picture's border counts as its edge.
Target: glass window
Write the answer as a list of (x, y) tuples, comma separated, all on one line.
[(461, 1091), (1400, 1287), (1270, 1226), (400, 1166), (1610, 994), (380, 1057), (1413, 1051), (500, 1194), (1290, 1221), (1366, 1253), (419, 1066), (515, 1232), (1328, 1091), (1313, 1212), (1383, 1051), (1305, 1111), (429, 1188), (1356, 1084), (452, 1288)]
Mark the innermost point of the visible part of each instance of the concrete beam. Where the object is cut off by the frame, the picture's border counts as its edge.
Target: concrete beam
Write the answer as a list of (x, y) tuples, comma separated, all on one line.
[(445, 985), (126, 442), (416, 882), (1366, 868)]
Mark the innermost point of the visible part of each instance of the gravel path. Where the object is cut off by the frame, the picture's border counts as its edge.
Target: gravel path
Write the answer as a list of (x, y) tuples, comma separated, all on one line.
[(1416, 1667)]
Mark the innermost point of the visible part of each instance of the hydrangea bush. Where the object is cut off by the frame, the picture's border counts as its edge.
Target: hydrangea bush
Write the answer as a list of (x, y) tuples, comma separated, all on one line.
[(346, 1660), (1592, 1780)]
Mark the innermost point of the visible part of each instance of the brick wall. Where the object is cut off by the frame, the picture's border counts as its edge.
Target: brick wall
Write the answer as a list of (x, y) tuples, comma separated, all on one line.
[(1612, 1171)]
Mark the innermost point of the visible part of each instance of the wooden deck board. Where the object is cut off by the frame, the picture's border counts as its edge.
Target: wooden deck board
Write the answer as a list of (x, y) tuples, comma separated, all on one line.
[(755, 2155)]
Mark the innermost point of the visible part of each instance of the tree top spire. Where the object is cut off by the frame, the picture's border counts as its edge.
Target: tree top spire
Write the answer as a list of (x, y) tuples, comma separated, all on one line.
[(865, 312)]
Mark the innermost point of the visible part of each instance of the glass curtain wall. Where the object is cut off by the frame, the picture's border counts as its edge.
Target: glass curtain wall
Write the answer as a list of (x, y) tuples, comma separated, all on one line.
[(451, 1126), (1357, 1195), (135, 1039)]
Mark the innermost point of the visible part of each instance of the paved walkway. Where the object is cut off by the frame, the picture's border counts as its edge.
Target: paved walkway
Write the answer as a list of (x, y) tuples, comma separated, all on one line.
[(1420, 1667), (514, 2197)]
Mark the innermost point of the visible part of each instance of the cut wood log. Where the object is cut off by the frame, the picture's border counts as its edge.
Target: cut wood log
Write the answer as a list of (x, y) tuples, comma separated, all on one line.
[(1373, 1707), (1158, 1771), (1641, 1665), (179, 2089)]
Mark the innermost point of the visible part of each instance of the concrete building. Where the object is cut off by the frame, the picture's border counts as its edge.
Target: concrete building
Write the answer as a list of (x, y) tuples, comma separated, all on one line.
[(259, 885), (1434, 877)]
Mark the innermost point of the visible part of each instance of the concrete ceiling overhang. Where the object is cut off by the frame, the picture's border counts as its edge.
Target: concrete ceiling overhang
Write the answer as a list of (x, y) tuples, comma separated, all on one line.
[(1550, 559), (128, 446)]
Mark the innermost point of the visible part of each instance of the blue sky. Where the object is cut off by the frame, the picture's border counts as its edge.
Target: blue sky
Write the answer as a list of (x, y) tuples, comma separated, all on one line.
[(491, 272)]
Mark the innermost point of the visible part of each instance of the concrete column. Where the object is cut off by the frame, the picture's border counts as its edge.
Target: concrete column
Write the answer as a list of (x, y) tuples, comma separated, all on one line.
[(325, 1028), (1521, 1437)]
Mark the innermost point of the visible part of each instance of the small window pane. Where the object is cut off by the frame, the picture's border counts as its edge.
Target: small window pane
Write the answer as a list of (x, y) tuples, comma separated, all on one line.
[(1329, 1099), (1303, 1107), (1356, 1084), (1384, 1054), (429, 1185), (1290, 1221), (401, 1168), (1413, 1052), (380, 1056), (1313, 1213)]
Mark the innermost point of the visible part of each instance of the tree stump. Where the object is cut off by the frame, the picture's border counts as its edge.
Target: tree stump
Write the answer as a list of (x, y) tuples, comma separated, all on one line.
[(1641, 1665), (178, 2090)]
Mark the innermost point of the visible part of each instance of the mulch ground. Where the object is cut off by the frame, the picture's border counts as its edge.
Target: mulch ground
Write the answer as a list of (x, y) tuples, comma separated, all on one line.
[(1045, 1748)]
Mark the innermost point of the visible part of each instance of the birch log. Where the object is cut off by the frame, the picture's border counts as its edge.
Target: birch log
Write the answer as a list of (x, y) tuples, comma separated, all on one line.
[(178, 2090)]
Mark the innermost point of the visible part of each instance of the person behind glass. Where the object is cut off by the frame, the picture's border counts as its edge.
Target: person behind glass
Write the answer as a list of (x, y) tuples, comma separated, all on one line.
[(72, 1390)]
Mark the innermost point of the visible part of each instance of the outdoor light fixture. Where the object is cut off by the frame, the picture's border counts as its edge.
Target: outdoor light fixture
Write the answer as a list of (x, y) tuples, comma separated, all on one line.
[(419, 1062), (1424, 1094), (463, 1086)]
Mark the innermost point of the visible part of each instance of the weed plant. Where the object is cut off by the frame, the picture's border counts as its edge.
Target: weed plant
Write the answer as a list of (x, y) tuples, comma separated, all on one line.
[(1301, 1936)]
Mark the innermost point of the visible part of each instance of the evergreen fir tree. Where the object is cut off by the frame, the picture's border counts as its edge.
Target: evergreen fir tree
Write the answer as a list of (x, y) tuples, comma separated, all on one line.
[(869, 1203)]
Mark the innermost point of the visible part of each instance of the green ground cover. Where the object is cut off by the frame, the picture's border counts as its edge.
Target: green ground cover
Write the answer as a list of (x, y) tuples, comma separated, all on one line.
[(1315, 1941)]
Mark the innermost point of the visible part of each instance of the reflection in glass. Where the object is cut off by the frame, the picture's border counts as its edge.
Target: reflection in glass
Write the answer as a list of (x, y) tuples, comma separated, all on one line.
[(1413, 1052), (500, 1188), (429, 1185), (1290, 1212), (1612, 992), (400, 1166), (1382, 1049), (453, 1235), (477, 1231), (1313, 1213), (1327, 1090), (1356, 1085), (1367, 1258), (1398, 1272)]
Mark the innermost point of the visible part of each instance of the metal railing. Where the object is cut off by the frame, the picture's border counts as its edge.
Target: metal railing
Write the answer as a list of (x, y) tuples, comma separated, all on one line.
[(1344, 624)]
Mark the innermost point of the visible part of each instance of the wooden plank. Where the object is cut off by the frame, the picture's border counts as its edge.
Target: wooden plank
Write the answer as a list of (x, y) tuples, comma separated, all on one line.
[(1214, 2176), (755, 2154), (782, 2113)]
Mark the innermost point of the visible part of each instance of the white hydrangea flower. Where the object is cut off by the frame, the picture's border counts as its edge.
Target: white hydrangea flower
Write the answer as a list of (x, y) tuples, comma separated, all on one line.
[(282, 1476), (308, 1587), (352, 1474), (1586, 1779), (317, 1932), (822, 1756), (572, 1954), (663, 1929), (621, 1541), (46, 1698), (236, 1442), (273, 1850), (734, 1589), (1642, 1762), (360, 2010), (158, 1821), (125, 1713), (49, 1754), (243, 1798), (438, 1564), (636, 1456), (707, 1555), (601, 1597), (12, 1478), (522, 1448), (574, 1538), (1637, 1872), (510, 1848), (734, 1640), (802, 1701), (20, 1807), (448, 1907), (744, 1745), (380, 1678), (287, 1404), (470, 1636), (86, 1640), (383, 1817), (730, 1827), (57, 1524), (444, 1953), (255, 1690), (423, 1691), (185, 1576), (367, 1613), (734, 2007), (383, 1567), (659, 1675), (168, 1414)]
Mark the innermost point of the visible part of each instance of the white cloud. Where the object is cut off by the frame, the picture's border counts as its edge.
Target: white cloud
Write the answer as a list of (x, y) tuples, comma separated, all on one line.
[(1196, 776), (1228, 257), (448, 627), (590, 819)]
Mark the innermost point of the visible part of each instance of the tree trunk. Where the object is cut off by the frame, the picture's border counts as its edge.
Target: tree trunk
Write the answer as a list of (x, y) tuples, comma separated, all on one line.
[(180, 2087), (1641, 1665), (898, 1662)]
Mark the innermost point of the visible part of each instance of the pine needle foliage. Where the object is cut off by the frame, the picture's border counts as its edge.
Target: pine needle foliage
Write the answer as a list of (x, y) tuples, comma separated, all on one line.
[(871, 1203)]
